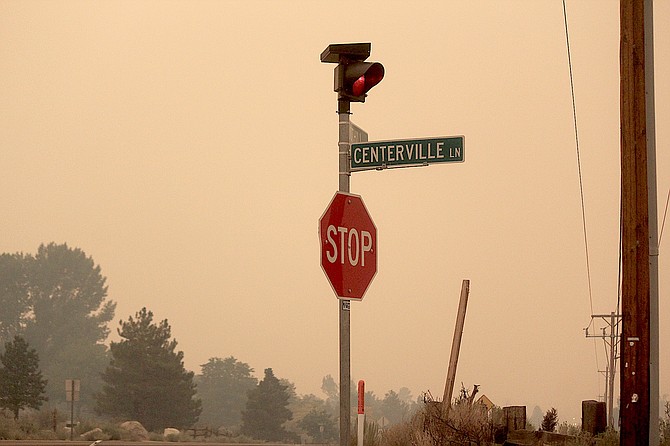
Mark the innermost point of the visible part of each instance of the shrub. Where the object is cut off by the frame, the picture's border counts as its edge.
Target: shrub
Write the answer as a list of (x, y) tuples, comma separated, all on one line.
[(664, 426), (402, 434), (574, 429), (372, 434), (113, 431), (155, 436), (466, 424), (9, 428), (608, 438)]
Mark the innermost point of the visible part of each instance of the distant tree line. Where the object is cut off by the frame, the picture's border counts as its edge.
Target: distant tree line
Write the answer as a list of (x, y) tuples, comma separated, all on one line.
[(53, 325), (56, 300)]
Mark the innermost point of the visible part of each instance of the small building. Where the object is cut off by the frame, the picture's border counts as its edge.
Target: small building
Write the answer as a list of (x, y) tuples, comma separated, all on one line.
[(486, 402)]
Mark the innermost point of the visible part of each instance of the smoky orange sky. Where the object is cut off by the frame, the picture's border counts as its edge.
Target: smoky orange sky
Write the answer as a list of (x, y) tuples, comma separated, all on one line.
[(190, 148)]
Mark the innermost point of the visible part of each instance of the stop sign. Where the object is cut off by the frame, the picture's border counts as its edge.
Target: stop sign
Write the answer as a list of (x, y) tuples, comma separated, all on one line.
[(348, 246)]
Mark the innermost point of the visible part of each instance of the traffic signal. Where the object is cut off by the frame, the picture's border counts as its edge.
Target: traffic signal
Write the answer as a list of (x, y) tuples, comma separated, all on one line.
[(354, 79)]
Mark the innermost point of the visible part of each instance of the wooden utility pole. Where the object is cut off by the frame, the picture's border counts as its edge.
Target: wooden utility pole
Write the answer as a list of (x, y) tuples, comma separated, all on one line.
[(635, 282), (455, 348)]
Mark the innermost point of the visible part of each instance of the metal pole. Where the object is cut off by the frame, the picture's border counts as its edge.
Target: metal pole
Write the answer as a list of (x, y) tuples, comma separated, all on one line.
[(653, 223), (455, 348), (343, 111), (611, 369), (612, 321), (72, 412)]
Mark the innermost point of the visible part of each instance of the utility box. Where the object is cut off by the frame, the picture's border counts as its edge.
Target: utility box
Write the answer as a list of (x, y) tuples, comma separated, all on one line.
[(514, 418), (594, 417)]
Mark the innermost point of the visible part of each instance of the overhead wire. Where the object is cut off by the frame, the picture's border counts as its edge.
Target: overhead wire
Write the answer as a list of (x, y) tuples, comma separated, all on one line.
[(581, 182), (665, 213), (579, 162)]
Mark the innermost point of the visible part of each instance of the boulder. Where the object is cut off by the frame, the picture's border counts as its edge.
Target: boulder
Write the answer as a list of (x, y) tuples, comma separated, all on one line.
[(170, 431), (93, 434), (136, 430)]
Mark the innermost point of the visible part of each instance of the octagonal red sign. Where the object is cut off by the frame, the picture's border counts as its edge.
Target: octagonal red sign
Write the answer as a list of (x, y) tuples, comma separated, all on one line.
[(348, 246)]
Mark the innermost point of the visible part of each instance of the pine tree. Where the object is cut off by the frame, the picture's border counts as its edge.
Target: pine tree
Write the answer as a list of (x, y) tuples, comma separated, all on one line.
[(393, 408), (146, 380), (21, 383), (267, 410), (550, 420)]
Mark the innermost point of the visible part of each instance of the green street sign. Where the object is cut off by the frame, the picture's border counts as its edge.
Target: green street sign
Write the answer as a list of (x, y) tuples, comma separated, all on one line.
[(406, 153)]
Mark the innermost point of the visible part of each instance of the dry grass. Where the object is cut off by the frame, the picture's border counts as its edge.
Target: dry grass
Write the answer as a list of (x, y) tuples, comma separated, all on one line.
[(466, 425)]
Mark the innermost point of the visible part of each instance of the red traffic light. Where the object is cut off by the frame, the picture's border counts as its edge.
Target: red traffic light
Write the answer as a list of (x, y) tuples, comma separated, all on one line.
[(354, 79), (372, 76)]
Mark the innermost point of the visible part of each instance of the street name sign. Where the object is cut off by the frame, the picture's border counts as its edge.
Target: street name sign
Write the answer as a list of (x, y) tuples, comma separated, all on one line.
[(348, 246), (406, 153), (357, 134)]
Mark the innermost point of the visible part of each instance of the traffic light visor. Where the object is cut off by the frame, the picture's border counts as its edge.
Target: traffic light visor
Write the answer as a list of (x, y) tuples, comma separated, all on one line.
[(365, 75), (354, 79)]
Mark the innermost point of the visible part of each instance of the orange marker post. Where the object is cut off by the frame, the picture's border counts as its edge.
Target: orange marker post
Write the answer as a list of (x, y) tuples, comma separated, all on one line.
[(361, 411)]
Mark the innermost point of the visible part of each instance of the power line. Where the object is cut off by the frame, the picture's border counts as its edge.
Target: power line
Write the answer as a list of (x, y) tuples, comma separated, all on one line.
[(581, 183), (665, 213), (579, 162)]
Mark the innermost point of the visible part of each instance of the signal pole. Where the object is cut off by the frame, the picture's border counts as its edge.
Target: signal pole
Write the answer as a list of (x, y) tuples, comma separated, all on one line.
[(343, 111), (353, 79)]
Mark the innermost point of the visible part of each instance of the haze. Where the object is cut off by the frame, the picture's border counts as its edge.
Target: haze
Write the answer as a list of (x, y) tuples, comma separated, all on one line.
[(190, 148)]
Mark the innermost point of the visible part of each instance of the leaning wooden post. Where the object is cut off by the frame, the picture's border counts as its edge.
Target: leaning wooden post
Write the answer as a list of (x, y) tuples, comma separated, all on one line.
[(455, 348)]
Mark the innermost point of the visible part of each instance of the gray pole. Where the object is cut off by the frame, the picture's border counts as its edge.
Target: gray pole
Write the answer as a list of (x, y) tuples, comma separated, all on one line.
[(343, 112), (343, 144), (653, 223)]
